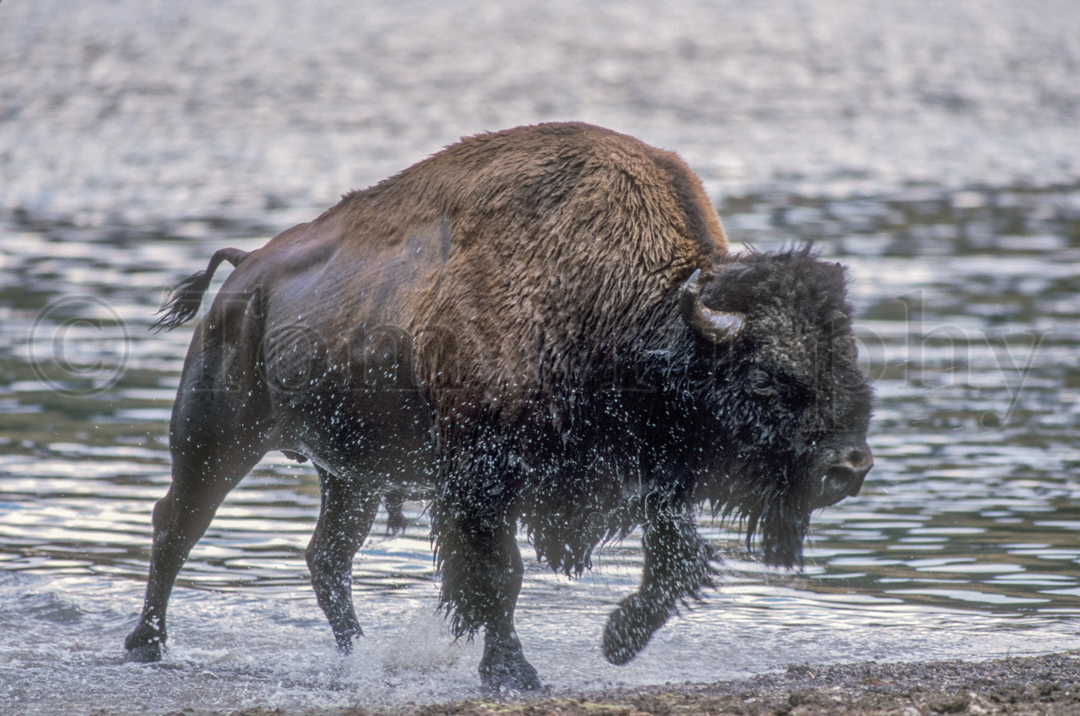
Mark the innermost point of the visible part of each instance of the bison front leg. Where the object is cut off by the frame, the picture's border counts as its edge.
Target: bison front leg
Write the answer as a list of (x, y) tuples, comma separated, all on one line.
[(677, 565), (348, 511), (481, 576)]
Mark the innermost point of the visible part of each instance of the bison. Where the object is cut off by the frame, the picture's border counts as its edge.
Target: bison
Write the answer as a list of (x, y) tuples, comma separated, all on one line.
[(539, 327)]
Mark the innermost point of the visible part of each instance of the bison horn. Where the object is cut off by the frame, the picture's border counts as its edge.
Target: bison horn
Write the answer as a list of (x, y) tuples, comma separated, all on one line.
[(715, 326)]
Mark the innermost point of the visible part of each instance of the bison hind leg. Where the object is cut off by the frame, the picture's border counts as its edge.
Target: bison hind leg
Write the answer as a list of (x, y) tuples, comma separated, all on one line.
[(394, 502), (348, 510)]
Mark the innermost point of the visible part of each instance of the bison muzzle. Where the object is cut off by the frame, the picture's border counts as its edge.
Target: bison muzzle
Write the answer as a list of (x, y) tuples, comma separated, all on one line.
[(540, 328)]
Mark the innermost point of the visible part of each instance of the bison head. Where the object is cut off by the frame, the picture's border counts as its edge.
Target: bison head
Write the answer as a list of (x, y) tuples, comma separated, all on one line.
[(785, 402)]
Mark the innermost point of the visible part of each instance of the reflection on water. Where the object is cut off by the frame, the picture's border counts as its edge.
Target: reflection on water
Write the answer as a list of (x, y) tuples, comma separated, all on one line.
[(966, 535)]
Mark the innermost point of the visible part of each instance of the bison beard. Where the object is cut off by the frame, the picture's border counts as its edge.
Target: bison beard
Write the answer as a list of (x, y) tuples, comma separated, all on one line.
[(538, 327)]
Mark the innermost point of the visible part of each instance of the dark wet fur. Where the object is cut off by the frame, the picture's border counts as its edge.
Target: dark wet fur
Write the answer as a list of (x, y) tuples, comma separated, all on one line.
[(732, 428)]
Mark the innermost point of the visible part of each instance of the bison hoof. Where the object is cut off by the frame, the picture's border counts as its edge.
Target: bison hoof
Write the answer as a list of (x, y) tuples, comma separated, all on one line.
[(143, 645), (630, 627), (504, 668), (347, 640), (144, 654), (509, 676)]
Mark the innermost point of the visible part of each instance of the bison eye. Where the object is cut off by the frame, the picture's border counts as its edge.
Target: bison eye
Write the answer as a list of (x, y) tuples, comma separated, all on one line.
[(762, 383), (767, 385)]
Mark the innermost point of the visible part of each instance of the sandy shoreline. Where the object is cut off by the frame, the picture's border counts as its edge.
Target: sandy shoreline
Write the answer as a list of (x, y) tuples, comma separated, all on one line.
[(1047, 684)]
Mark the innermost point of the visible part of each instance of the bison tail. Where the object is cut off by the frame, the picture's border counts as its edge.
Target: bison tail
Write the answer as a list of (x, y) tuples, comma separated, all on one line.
[(186, 297)]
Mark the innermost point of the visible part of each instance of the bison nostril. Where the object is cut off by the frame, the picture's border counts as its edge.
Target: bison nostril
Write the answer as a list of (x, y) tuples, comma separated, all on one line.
[(859, 460)]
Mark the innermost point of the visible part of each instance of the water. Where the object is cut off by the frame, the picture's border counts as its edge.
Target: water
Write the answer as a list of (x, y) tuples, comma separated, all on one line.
[(963, 544), (930, 147)]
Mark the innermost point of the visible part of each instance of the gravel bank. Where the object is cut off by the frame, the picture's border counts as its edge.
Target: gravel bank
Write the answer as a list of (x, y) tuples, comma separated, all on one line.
[(1031, 685)]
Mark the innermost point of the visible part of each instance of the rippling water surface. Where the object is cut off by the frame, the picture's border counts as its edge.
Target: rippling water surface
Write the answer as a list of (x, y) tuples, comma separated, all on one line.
[(883, 124), (964, 543)]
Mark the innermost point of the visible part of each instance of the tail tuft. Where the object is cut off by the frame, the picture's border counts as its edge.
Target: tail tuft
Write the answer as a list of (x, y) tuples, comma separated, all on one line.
[(186, 297), (183, 302)]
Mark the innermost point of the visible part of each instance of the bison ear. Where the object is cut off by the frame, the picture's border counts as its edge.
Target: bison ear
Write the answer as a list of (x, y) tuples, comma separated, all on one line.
[(714, 326)]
